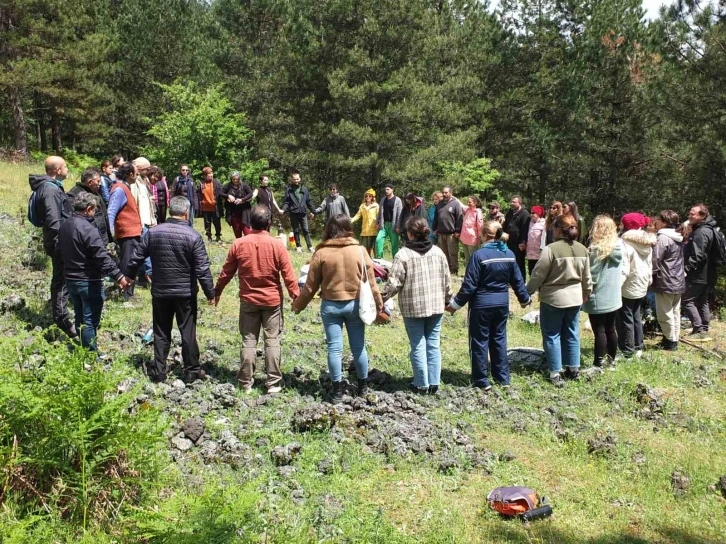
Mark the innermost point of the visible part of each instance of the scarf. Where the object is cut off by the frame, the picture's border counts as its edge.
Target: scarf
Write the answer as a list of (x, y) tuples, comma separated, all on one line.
[(499, 245), (421, 247)]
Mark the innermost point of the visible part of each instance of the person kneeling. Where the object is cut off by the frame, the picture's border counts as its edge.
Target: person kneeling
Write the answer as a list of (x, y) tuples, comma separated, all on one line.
[(490, 272), (85, 263)]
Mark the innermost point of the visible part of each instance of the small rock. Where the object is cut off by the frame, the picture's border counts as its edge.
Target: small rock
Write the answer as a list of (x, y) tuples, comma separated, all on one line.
[(507, 456), (194, 428), (284, 455), (639, 458), (602, 446), (178, 384), (182, 444), (12, 303), (447, 464), (326, 466), (298, 496), (680, 483), (286, 471)]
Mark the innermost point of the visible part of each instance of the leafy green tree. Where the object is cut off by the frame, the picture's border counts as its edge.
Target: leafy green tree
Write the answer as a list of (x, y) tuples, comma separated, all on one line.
[(198, 127)]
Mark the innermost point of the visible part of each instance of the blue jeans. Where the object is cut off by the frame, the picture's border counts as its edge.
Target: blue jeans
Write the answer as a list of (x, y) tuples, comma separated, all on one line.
[(87, 297), (335, 314), (560, 336), (424, 335)]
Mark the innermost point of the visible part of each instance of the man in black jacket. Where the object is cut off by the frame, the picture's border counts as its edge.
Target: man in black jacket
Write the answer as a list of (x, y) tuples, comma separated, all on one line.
[(297, 203), (178, 261), (700, 271), (183, 185), (448, 220), (53, 207), (85, 263), (516, 225), (90, 184)]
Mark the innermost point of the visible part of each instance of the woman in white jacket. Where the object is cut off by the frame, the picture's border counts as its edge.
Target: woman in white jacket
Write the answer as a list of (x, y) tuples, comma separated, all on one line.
[(637, 275)]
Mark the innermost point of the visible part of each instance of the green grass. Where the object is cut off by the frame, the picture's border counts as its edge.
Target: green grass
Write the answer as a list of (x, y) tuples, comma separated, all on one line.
[(373, 498)]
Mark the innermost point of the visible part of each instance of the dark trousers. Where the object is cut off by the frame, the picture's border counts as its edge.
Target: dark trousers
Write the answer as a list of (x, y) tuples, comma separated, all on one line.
[(695, 305), (161, 213), (488, 338), (126, 250), (531, 263), (164, 310), (58, 292), (606, 336), (209, 218), (299, 221), (87, 297), (629, 325), (519, 256)]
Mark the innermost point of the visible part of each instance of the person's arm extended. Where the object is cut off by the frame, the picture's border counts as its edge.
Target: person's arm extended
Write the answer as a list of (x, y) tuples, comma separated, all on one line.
[(228, 270), (96, 252), (287, 271), (541, 270), (202, 269), (312, 285), (141, 252), (518, 285), (358, 215), (468, 286), (115, 203), (396, 278)]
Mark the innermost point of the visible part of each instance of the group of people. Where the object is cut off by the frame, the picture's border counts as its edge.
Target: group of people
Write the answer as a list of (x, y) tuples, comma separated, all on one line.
[(609, 276)]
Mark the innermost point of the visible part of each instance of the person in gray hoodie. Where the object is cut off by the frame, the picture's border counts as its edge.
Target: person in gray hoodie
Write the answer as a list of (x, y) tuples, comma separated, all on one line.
[(606, 257), (637, 272), (334, 204), (669, 277)]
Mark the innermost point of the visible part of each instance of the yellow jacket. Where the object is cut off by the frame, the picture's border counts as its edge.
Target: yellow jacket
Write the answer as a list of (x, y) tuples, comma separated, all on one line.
[(369, 215)]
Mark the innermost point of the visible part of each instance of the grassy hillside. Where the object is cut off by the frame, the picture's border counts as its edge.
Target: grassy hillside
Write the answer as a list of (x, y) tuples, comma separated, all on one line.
[(618, 462)]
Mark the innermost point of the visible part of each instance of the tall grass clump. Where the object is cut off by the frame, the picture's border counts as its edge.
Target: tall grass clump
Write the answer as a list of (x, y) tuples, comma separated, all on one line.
[(70, 447)]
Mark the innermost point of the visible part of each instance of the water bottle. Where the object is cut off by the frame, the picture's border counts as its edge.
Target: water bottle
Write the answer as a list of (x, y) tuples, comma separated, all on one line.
[(537, 513), (148, 337)]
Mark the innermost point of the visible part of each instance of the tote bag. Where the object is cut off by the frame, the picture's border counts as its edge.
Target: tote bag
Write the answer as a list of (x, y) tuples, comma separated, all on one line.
[(366, 302)]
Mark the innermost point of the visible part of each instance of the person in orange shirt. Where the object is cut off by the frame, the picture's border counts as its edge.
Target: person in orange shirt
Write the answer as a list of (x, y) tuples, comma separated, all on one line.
[(209, 195), (259, 260)]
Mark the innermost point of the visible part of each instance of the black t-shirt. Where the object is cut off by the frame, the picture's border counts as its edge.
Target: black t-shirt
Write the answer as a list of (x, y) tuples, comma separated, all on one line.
[(388, 204), (161, 192)]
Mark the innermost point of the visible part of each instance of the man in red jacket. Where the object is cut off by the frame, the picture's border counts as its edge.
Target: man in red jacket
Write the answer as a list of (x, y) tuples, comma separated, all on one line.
[(259, 260)]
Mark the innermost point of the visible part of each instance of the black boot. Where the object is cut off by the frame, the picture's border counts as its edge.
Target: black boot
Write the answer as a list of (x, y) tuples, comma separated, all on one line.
[(572, 373), (669, 345), (363, 387), (337, 392), (433, 389), (599, 362)]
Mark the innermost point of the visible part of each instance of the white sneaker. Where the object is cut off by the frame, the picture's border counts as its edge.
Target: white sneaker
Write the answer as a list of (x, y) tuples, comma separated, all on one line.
[(299, 250), (274, 390), (311, 250), (639, 354)]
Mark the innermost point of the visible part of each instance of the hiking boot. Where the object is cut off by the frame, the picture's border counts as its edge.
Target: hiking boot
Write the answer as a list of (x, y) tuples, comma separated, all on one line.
[(572, 373), (363, 387), (669, 345), (433, 389), (337, 393), (701, 336)]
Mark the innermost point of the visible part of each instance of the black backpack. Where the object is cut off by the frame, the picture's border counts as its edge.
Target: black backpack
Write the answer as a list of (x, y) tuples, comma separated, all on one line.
[(33, 217), (718, 246)]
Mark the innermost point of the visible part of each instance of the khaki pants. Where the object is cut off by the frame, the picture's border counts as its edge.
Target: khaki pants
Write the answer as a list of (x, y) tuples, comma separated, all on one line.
[(668, 312), (468, 252), (251, 318), (449, 244)]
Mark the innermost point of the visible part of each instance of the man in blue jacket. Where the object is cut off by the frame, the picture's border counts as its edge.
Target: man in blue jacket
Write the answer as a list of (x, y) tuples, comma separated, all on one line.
[(53, 207), (178, 261), (85, 263)]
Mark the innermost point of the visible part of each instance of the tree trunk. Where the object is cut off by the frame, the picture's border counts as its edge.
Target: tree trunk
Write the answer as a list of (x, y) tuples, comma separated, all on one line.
[(19, 129), (55, 130)]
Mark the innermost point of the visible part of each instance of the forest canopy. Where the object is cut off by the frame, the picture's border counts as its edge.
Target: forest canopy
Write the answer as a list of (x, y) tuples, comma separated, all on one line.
[(583, 99)]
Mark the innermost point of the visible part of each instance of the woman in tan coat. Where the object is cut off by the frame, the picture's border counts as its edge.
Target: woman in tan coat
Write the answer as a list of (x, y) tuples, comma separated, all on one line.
[(336, 269)]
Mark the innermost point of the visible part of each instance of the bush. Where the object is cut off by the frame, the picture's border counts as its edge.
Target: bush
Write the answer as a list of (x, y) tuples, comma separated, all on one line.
[(69, 445)]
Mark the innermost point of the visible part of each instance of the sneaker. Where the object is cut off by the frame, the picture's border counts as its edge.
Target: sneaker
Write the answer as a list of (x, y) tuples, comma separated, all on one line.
[(299, 250), (669, 345), (639, 354), (433, 389), (311, 250), (557, 380), (245, 388), (274, 390), (572, 373), (699, 337)]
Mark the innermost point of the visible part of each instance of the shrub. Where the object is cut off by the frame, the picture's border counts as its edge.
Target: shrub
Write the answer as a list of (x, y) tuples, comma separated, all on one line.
[(68, 442)]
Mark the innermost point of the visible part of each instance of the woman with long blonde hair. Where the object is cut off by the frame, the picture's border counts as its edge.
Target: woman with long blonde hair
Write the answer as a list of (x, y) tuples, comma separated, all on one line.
[(606, 256)]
